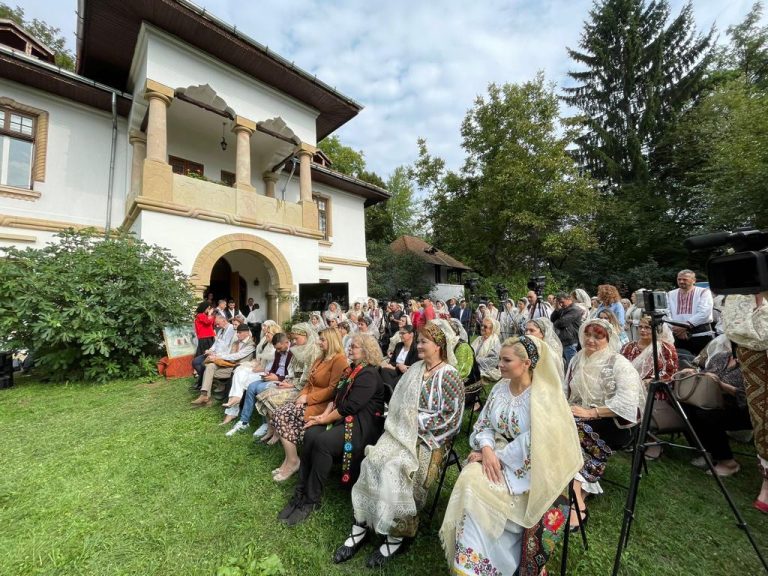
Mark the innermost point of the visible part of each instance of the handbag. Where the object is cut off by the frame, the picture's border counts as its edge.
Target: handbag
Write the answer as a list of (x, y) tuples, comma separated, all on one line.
[(221, 363), (665, 418), (699, 389)]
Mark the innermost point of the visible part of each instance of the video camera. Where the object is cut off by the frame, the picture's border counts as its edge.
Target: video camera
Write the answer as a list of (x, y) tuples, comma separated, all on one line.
[(743, 269), (472, 284), (502, 293), (537, 284), (404, 295), (653, 302)]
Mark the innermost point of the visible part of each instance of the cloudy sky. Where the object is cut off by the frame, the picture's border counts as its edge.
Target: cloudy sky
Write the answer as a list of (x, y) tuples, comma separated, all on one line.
[(415, 65)]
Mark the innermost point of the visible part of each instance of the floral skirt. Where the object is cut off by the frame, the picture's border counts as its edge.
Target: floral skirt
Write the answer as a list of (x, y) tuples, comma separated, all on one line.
[(595, 450), (288, 421), (273, 398)]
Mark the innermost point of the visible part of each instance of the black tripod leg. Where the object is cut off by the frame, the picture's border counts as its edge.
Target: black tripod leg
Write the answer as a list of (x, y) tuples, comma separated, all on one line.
[(566, 536)]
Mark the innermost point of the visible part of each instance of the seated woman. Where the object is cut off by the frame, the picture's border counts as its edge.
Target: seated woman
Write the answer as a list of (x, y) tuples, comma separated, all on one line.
[(487, 347), (316, 321), (711, 425), (252, 370), (333, 313), (610, 317), (340, 434), (509, 319), (465, 356), (605, 392), (544, 330), (402, 358), (640, 353), (424, 413), (441, 310), (495, 508), (304, 352), (404, 320), (582, 300), (290, 418)]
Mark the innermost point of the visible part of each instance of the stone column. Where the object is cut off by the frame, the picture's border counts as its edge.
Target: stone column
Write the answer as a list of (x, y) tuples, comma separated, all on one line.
[(284, 306), (138, 141), (272, 306), (159, 97), (243, 128), (270, 179), (305, 172)]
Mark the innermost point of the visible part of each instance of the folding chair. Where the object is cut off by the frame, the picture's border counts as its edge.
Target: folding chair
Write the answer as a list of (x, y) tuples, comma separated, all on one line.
[(450, 458)]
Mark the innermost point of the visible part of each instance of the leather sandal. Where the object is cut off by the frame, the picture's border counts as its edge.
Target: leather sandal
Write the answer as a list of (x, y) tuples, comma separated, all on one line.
[(283, 476), (344, 552)]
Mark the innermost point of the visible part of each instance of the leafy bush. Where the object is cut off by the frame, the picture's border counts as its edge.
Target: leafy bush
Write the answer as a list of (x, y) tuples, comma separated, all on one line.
[(90, 307)]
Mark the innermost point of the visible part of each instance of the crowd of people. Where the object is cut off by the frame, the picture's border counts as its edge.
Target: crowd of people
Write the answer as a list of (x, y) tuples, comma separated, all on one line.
[(380, 392)]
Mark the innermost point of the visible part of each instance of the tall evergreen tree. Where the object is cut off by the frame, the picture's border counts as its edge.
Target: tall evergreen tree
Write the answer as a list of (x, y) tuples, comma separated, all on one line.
[(640, 71)]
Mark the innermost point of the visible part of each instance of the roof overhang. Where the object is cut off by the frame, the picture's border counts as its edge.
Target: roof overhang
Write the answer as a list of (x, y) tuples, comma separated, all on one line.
[(35, 73), (372, 194), (108, 31)]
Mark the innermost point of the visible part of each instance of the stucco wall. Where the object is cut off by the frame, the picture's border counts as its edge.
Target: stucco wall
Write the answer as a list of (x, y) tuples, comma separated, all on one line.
[(178, 65), (77, 165)]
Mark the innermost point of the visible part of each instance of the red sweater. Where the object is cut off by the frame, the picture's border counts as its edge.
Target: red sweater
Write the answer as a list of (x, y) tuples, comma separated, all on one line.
[(204, 326)]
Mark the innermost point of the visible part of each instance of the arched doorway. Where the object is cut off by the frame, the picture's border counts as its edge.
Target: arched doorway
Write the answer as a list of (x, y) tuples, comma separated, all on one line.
[(256, 269)]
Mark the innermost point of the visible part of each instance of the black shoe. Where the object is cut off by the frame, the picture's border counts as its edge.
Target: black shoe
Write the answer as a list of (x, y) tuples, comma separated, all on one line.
[(293, 503), (584, 517), (299, 514), (377, 559), (344, 553)]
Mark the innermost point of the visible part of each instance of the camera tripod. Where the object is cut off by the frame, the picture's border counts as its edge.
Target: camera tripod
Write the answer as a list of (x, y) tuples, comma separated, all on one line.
[(642, 444)]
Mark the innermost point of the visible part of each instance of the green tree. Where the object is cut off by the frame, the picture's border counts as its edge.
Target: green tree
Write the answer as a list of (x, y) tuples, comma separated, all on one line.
[(90, 307), (640, 71), (519, 201), (38, 29), (746, 55), (345, 159), (390, 271), (401, 205)]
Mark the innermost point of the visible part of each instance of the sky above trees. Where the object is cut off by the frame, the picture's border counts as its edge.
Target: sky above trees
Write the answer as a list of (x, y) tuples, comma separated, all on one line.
[(415, 66)]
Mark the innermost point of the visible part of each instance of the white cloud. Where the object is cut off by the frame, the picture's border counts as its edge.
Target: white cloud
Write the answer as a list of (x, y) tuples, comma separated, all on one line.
[(415, 66)]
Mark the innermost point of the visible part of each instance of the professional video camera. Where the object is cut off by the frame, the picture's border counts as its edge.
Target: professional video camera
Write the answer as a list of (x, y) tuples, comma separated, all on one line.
[(537, 284), (472, 284), (404, 295), (653, 302), (502, 293), (743, 269)]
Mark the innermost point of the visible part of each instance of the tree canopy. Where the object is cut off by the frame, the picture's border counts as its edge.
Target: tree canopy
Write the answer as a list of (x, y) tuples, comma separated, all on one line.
[(519, 200), (48, 35)]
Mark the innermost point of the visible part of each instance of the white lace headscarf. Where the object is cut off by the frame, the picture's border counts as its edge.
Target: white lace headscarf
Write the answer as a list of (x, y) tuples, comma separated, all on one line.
[(605, 377), (643, 363), (483, 346), (458, 328), (335, 314), (320, 323), (552, 340)]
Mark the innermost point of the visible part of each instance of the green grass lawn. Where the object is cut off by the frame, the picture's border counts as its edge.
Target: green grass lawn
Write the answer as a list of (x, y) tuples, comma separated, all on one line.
[(126, 478)]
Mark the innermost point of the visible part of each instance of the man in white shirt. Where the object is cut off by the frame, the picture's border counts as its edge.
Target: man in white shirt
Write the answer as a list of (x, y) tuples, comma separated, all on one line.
[(537, 309), (691, 306)]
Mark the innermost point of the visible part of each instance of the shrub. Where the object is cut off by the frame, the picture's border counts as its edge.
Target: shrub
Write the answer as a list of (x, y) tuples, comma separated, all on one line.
[(89, 307)]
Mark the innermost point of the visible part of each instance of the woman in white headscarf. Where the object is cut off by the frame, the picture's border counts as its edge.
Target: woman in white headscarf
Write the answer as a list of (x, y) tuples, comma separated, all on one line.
[(640, 351), (376, 315), (509, 319), (606, 397), (424, 414), (316, 321), (333, 313), (543, 329), (487, 347), (508, 504), (583, 301), (633, 316)]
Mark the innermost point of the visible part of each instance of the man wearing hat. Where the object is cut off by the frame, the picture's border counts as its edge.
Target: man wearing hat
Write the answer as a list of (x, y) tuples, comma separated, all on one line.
[(220, 366)]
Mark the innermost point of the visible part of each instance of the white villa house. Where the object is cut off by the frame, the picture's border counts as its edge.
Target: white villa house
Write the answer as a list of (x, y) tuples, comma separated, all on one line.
[(195, 137)]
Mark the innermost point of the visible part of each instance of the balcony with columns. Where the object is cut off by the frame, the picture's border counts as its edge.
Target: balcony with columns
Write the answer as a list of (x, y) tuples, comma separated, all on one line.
[(194, 156)]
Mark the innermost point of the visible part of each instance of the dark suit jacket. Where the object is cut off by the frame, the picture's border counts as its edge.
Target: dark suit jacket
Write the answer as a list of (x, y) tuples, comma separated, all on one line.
[(410, 358), (276, 364)]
